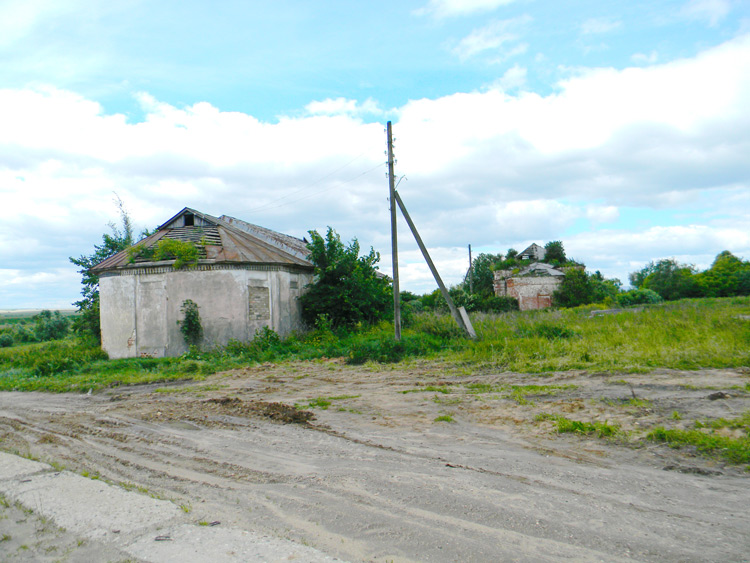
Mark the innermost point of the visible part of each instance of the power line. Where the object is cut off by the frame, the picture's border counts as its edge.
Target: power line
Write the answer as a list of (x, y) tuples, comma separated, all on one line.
[(270, 205)]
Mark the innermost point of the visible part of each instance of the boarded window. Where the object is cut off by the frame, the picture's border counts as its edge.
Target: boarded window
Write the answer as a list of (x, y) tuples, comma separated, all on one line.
[(260, 305), (293, 285)]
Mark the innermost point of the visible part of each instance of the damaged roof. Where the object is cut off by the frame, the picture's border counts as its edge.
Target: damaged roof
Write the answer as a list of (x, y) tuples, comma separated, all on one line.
[(219, 240), (541, 269)]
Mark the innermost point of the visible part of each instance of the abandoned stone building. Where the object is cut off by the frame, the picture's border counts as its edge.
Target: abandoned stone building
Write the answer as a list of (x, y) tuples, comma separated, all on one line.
[(246, 277), (531, 285)]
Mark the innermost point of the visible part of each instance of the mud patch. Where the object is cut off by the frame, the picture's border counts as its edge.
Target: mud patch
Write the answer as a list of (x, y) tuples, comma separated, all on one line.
[(215, 411)]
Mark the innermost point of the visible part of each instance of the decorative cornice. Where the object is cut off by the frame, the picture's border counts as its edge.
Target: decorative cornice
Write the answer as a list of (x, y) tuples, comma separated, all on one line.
[(167, 269)]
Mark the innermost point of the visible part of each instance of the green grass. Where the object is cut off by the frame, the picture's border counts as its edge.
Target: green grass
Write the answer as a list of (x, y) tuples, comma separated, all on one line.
[(733, 450), (564, 425), (688, 334), (704, 437), (444, 418)]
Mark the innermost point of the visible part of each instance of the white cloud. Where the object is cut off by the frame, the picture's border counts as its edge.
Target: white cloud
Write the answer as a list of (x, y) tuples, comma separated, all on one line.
[(540, 218), (19, 19), (493, 37), (343, 106), (712, 11), (602, 213), (484, 167), (450, 8), (595, 26), (513, 79), (641, 58)]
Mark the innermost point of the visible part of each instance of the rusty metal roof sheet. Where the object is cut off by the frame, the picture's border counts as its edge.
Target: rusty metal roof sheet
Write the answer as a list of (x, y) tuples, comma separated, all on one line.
[(220, 240)]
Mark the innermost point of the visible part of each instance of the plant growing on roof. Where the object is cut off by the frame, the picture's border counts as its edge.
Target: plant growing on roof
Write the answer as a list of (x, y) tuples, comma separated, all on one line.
[(184, 253), (190, 326)]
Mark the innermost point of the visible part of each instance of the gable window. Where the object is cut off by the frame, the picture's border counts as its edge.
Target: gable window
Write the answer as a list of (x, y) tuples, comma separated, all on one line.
[(189, 219)]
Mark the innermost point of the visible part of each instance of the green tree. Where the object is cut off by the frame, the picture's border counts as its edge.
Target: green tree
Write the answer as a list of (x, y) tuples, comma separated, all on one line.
[(576, 289), (482, 274), (88, 324), (347, 288), (555, 253), (604, 289), (668, 278), (50, 326), (723, 278)]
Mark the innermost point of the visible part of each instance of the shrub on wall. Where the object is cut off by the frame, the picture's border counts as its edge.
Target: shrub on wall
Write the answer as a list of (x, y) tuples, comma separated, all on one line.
[(190, 325)]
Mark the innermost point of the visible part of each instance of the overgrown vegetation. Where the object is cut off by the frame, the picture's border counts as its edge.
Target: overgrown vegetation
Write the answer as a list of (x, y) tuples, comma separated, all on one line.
[(42, 327), (689, 334), (348, 288), (184, 253), (727, 276), (661, 280)]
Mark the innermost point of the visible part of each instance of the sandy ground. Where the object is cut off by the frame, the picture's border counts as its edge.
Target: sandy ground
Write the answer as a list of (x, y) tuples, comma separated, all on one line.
[(375, 477)]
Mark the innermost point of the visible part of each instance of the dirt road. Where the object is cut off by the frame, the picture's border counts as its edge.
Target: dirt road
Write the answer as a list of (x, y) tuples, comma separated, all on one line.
[(419, 462)]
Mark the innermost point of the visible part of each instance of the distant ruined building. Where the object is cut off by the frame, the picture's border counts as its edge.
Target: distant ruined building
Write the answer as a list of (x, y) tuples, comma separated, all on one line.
[(531, 285)]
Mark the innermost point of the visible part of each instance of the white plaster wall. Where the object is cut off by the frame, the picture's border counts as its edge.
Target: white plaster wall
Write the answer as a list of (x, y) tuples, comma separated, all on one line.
[(140, 313), (117, 298), (220, 296)]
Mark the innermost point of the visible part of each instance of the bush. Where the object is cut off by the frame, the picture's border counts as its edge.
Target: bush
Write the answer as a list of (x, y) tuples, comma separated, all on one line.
[(50, 358), (440, 326), (50, 326), (495, 304), (24, 334), (576, 289), (6, 340), (637, 297), (473, 303), (348, 288), (386, 349)]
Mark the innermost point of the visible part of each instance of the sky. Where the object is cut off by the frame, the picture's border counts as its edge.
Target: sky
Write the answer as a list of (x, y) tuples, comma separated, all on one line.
[(619, 128)]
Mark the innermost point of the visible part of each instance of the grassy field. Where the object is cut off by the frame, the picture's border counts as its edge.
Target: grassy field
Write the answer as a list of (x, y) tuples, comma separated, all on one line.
[(689, 334)]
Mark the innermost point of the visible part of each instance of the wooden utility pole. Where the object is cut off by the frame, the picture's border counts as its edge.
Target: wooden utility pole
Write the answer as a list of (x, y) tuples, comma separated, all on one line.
[(394, 238), (471, 274), (460, 315)]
